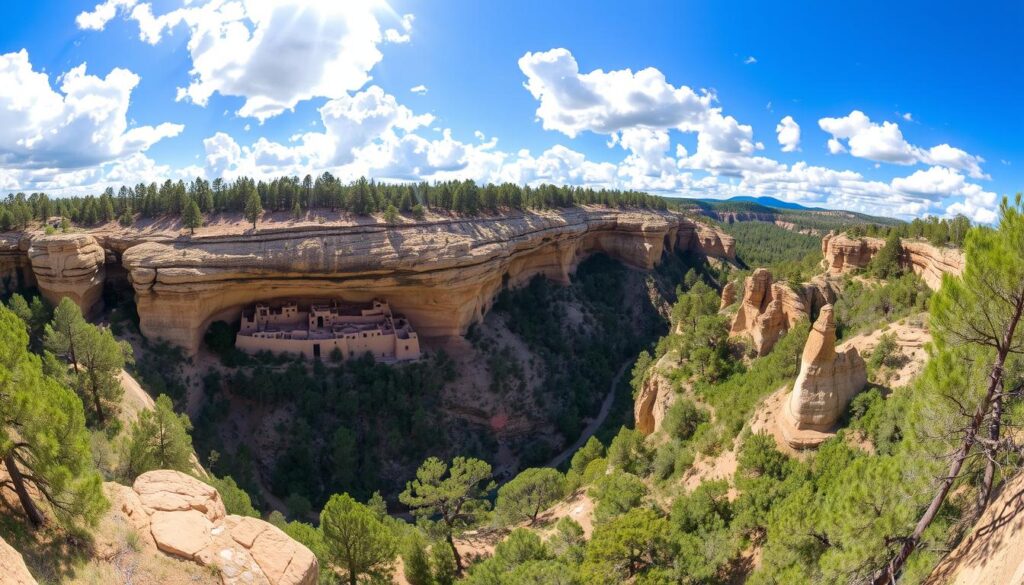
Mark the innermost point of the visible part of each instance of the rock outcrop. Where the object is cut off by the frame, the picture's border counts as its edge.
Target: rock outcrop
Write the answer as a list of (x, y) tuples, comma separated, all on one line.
[(844, 254), (728, 295), (993, 553), (186, 518), (15, 269), (767, 311), (827, 381), (12, 567), (69, 265), (654, 399), (443, 276)]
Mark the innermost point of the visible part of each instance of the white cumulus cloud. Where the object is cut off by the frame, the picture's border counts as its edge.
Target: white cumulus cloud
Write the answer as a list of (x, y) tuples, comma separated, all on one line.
[(789, 134)]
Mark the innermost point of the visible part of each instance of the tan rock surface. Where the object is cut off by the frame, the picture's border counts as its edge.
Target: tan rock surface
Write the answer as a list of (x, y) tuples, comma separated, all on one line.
[(845, 254), (183, 516), (728, 295), (993, 553), (442, 275), (827, 382), (767, 311), (12, 567), (654, 399), (69, 265), (15, 269)]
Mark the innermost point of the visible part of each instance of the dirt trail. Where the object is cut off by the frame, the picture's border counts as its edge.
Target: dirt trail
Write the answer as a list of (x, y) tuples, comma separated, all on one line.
[(595, 424)]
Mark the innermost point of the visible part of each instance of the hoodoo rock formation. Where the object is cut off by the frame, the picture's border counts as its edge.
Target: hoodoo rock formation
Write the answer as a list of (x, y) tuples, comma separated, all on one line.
[(767, 311), (845, 254), (728, 295), (443, 276), (69, 265), (186, 518), (828, 380)]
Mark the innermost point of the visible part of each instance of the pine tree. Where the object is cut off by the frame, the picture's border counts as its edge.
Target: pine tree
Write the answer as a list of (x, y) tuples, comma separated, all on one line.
[(192, 217), (159, 439), (102, 357), (528, 494), (63, 336), (357, 543), (253, 208), (44, 445), (455, 496)]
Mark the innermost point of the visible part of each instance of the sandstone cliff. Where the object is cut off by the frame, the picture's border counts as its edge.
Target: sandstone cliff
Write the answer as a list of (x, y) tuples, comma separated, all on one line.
[(768, 310), (184, 517), (654, 399), (69, 265), (443, 276), (728, 295), (844, 254), (15, 269), (827, 381)]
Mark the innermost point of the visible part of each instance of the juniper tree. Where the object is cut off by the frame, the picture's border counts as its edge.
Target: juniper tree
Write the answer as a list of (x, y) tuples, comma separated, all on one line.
[(357, 542), (528, 494)]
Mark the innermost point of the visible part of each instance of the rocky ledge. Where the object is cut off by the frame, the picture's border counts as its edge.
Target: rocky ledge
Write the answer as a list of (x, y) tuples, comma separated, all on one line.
[(184, 517), (845, 254), (444, 276)]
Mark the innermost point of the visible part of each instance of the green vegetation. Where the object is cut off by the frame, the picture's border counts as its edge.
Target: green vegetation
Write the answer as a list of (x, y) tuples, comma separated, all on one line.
[(325, 192), (528, 494), (791, 255), (357, 542), (865, 306), (938, 231)]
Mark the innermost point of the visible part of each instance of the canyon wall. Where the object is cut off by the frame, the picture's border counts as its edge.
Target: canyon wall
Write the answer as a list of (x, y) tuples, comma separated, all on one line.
[(845, 254), (443, 275)]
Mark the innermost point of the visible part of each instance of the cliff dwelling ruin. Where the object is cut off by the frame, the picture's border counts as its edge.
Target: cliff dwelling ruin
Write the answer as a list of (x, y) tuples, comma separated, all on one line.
[(323, 327)]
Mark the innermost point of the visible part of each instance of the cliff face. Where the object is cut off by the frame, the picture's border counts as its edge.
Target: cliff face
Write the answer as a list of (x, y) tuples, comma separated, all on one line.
[(767, 311), (844, 254), (15, 268), (654, 399), (443, 276), (69, 265)]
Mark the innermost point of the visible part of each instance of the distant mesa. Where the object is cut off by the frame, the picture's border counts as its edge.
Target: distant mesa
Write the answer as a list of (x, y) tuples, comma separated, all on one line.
[(323, 327), (828, 380)]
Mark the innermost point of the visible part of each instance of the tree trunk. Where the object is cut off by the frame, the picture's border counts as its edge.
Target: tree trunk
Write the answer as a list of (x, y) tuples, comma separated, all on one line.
[(96, 403), (33, 513), (888, 574), (994, 429), (455, 553)]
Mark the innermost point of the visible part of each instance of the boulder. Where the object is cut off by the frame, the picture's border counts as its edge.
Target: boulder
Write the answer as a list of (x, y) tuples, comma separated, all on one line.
[(828, 380), (728, 295), (186, 518), (12, 567), (767, 311)]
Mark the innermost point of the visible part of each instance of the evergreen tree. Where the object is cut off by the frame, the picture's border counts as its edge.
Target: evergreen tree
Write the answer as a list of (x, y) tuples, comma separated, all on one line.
[(456, 496), (357, 542), (528, 494), (253, 208), (44, 445), (192, 217), (886, 263), (102, 357), (63, 336), (159, 439)]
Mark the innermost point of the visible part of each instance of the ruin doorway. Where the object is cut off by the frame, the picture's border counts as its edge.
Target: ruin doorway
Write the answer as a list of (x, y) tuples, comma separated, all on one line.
[(316, 347), (320, 322)]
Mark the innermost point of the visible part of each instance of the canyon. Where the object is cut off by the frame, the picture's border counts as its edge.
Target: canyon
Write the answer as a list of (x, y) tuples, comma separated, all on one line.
[(442, 275)]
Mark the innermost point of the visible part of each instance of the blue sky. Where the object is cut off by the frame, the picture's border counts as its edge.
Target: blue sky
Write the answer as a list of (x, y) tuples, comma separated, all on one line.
[(903, 109)]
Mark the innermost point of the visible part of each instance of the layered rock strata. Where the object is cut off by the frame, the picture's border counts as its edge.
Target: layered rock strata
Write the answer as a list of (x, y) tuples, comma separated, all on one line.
[(186, 518), (69, 265), (15, 269), (443, 276), (828, 380), (844, 254), (767, 311)]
